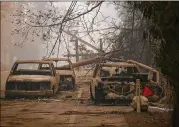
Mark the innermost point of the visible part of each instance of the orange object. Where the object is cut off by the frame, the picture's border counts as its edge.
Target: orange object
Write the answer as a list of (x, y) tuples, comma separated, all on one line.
[(147, 92)]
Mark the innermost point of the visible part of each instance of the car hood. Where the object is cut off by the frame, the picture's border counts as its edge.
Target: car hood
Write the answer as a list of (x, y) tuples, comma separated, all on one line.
[(33, 78), (64, 72)]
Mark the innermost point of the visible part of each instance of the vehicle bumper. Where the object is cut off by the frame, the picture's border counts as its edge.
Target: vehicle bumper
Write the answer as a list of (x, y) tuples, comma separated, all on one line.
[(23, 93)]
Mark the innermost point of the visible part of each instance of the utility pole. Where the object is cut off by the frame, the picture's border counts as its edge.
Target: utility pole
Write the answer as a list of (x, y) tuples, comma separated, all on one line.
[(77, 54), (81, 40)]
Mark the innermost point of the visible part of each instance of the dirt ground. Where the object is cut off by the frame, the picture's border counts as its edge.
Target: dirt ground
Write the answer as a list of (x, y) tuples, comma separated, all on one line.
[(152, 119), (74, 109)]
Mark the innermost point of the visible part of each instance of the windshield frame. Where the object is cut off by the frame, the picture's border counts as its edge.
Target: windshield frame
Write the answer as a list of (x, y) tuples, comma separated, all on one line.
[(14, 67)]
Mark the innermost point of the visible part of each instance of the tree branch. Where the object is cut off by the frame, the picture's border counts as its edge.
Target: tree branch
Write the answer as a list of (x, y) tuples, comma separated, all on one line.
[(68, 19)]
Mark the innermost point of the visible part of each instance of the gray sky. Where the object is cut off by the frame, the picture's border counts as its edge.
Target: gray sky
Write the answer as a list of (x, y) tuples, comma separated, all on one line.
[(106, 9), (36, 50)]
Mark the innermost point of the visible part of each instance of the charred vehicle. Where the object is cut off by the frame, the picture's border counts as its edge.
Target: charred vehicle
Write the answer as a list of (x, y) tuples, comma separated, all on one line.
[(65, 73), (115, 81), (29, 79)]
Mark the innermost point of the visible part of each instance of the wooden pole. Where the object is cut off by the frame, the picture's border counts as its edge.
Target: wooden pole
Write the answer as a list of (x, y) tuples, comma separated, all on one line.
[(138, 94), (81, 40)]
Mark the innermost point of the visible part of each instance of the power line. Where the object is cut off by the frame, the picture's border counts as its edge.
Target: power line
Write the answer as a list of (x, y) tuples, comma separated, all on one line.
[(72, 6), (98, 30), (70, 9)]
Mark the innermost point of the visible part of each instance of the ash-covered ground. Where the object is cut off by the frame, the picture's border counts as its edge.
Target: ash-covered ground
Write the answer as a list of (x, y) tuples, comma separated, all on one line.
[(74, 108)]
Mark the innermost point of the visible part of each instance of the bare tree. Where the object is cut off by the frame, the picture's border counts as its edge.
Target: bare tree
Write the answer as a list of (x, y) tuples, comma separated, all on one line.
[(48, 24), (132, 40)]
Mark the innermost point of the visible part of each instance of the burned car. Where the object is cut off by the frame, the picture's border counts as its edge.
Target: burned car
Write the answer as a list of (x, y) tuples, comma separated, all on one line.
[(113, 81), (28, 78), (116, 81), (65, 73)]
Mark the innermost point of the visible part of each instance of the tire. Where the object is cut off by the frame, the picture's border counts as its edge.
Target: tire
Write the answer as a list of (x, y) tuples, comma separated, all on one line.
[(54, 91), (145, 109), (142, 109), (74, 85), (91, 95), (97, 99)]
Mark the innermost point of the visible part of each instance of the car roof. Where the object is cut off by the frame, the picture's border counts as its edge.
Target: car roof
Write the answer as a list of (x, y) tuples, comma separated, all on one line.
[(33, 61)]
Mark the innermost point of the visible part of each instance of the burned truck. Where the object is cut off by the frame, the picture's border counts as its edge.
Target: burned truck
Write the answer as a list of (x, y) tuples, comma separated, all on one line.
[(28, 78), (65, 73), (116, 81), (112, 82)]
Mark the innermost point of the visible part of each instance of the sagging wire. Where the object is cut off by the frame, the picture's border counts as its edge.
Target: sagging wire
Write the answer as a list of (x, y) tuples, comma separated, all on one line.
[(72, 6), (68, 13)]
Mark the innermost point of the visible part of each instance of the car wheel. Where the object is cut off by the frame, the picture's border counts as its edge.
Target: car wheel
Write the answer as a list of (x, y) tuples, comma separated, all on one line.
[(145, 109), (53, 88), (91, 94), (74, 85), (97, 98)]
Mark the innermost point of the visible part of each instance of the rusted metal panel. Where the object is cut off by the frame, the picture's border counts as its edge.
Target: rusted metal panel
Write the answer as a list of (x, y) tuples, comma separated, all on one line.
[(33, 61), (23, 93), (64, 72), (30, 78)]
